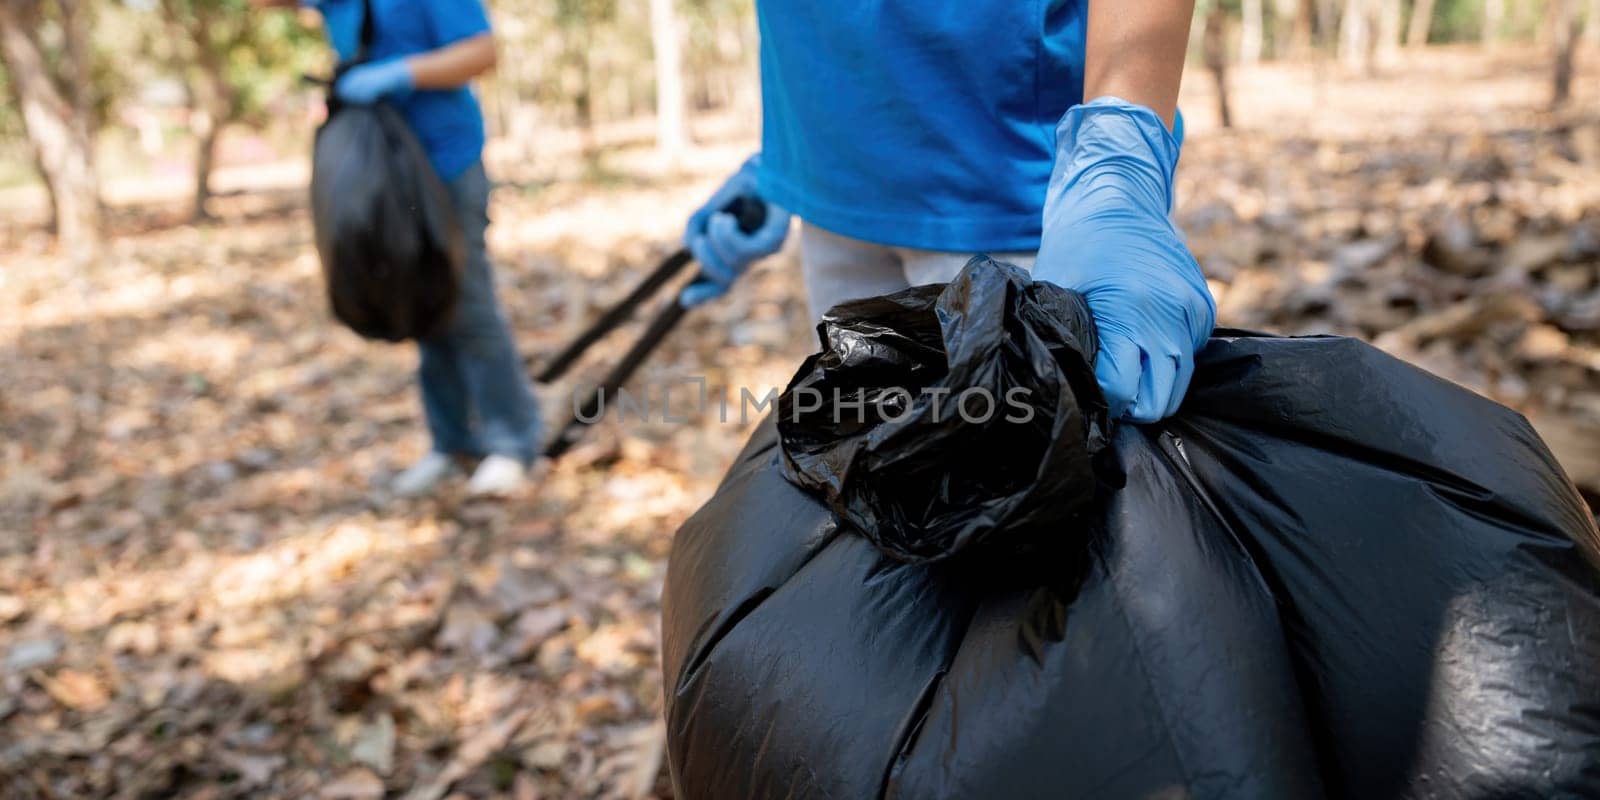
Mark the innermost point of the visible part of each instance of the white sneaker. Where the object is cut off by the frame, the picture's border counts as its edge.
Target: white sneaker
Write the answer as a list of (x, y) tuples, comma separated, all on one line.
[(424, 476), (497, 476)]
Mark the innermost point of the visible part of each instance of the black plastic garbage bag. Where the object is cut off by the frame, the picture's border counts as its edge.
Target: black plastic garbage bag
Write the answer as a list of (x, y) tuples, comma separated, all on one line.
[(1330, 575), (386, 230), (896, 422), (1434, 567)]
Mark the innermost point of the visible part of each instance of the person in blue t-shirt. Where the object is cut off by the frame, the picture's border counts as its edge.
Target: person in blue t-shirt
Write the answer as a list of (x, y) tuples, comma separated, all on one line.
[(475, 395), (908, 135)]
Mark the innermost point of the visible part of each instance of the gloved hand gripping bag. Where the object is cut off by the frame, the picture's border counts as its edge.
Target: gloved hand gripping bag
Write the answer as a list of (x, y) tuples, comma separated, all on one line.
[(386, 230), (1331, 574), (929, 456)]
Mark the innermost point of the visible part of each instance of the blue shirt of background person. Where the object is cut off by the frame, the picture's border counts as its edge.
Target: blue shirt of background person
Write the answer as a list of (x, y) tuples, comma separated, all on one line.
[(448, 122)]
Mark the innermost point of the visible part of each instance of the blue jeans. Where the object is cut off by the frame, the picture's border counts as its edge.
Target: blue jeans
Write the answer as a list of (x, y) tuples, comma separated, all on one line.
[(475, 391)]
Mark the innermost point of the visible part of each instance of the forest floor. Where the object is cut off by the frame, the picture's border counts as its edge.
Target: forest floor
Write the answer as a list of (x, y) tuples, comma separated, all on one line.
[(205, 594)]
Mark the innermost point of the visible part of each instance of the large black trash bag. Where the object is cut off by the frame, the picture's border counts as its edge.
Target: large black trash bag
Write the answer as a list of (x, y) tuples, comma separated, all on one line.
[(386, 230), (801, 662), (1331, 575), (1434, 567), (935, 380)]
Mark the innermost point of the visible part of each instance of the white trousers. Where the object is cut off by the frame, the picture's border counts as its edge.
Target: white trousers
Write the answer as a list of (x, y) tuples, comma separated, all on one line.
[(839, 268)]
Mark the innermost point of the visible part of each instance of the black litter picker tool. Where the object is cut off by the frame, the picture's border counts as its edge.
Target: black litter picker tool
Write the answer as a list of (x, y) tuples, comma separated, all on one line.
[(751, 213)]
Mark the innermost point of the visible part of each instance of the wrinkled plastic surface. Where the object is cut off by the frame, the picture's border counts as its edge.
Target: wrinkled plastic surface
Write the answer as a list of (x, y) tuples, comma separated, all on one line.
[(938, 417), (1434, 566), (386, 230), (1331, 574)]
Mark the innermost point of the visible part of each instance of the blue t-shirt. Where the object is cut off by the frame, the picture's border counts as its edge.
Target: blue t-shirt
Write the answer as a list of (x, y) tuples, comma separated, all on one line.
[(918, 123), (448, 122)]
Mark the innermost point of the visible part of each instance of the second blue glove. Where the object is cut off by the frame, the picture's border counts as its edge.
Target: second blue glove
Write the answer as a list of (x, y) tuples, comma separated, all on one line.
[(371, 82), (724, 250)]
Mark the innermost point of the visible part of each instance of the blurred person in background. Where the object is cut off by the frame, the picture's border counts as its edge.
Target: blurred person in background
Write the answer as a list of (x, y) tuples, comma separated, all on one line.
[(908, 136), (475, 394)]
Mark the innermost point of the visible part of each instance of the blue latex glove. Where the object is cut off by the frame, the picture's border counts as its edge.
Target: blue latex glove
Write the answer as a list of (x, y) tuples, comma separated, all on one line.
[(1108, 234), (371, 82), (723, 250)]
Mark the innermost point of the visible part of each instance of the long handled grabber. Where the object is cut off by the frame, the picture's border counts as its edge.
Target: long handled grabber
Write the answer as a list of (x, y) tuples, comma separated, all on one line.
[(751, 213)]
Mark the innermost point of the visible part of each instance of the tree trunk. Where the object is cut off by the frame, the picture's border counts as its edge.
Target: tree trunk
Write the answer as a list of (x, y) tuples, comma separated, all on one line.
[(1564, 27), (1421, 24), (671, 133), (1250, 32), (1355, 33), (60, 139), (75, 21), (212, 107), (1288, 18), (1215, 49), (1327, 21), (583, 104), (1389, 30), (1494, 16), (77, 81), (53, 222), (577, 40), (15, 98), (212, 100), (205, 160)]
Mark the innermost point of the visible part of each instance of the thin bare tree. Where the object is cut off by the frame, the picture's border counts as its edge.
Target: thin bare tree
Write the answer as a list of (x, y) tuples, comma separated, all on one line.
[(1215, 51), (671, 129), (1494, 18), (1355, 33), (1388, 29), (1291, 33), (1251, 31), (1564, 33), (213, 101), (1421, 24), (1327, 20)]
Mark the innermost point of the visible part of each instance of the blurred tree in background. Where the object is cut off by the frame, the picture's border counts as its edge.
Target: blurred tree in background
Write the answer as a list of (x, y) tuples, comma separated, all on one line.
[(231, 62), (581, 63), (46, 51), (1369, 35), (71, 66)]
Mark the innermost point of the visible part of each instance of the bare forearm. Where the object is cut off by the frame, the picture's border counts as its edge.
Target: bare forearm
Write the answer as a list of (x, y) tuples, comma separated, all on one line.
[(1135, 52), (454, 64)]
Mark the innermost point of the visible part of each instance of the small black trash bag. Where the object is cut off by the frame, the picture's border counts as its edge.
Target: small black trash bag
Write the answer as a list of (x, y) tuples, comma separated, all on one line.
[(386, 230), (1331, 575)]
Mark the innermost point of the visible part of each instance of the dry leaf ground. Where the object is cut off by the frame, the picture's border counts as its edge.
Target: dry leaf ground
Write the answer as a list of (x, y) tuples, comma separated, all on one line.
[(203, 595)]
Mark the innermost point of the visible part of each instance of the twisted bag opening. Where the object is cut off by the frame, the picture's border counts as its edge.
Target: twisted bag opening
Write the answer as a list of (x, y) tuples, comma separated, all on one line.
[(941, 418)]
